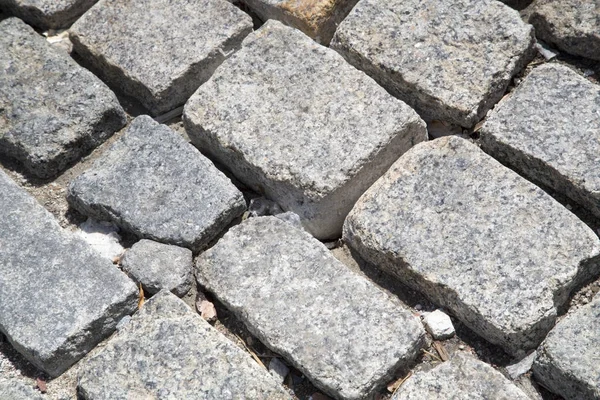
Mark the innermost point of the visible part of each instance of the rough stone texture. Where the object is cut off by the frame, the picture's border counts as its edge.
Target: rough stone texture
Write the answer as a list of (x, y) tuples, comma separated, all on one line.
[(451, 60), (317, 18), (476, 238), (153, 183), (159, 266), (571, 25), (52, 111), (159, 57), (340, 330), (47, 14), (549, 131), (463, 377), (439, 325), (11, 389), (167, 351), (58, 297), (293, 120), (568, 361)]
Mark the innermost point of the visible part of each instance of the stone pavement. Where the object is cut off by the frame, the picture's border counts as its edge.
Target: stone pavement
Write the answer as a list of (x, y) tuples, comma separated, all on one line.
[(282, 223)]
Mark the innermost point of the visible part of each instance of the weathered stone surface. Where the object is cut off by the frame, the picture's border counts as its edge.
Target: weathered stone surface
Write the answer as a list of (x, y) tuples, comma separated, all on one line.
[(46, 14), (58, 297), (293, 120), (317, 18), (158, 51), (568, 361), (153, 183), (11, 389), (159, 266), (167, 351), (549, 131), (344, 333), (463, 377), (451, 60), (476, 238), (571, 25), (52, 111)]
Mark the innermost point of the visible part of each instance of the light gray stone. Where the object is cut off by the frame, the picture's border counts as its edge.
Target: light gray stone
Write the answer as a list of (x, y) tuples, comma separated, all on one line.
[(159, 266), (451, 60), (294, 121), (549, 131), (571, 25), (11, 389), (439, 325), (52, 111), (316, 18), (278, 369), (168, 352), (568, 361), (476, 238), (158, 51), (58, 297), (153, 183), (339, 329), (47, 14), (463, 377), (522, 367)]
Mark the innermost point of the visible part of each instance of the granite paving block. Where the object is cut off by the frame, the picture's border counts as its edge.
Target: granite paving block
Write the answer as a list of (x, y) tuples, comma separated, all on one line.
[(477, 239), (158, 51), (451, 60), (167, 351), (47, 14), (463, 377), (568, 361), (295, 122), (316, 18), (12, 389), (335, 326), (159, 266), (58, 297), (571, 25), (52, 111), (153, 183), (549, 131)]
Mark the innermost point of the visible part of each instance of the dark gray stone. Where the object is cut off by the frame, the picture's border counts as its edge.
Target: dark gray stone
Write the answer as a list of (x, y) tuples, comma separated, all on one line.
[(159, 266), (451, 60), (52, 111), (58, 297), (11, 389), (477, 239), (153, 183), (339, 329), (47, 14), (167, 351), (549, 131), (463, 377), (158, 51), (568, 361), (293, 120)]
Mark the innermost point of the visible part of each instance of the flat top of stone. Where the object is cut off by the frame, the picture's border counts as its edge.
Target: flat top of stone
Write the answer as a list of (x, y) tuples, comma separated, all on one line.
[(463, 377), (168, 351), (455, 51), (554, 116), (156, 41), (58, 297), (334, 325), (296, 110), (156, 185), (12, 389), (460, 220), (47, 14), (48, 103)]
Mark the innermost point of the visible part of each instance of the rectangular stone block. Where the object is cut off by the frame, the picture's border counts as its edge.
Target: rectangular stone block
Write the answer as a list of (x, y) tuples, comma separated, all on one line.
[(548, 130), (451, 60), (47, 14), (52, 111), (476, 238), (339, 329), (153, 183), (167, 351), (58, 297), (294, 121), (158, 51)]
